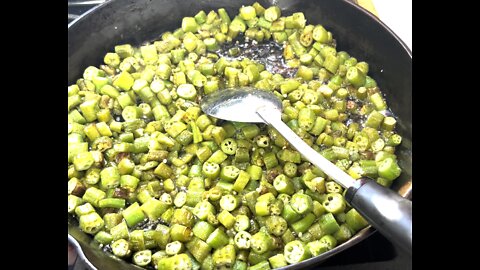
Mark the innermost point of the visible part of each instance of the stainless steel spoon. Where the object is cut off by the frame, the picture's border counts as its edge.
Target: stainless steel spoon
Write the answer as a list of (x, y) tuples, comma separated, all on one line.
[(387, 211)]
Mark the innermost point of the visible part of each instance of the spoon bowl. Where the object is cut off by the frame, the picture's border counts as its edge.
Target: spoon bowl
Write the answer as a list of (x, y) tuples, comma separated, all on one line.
[(240, 104)]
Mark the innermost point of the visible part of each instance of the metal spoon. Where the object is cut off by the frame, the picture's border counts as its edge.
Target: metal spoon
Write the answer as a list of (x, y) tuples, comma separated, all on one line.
[(387, 211)]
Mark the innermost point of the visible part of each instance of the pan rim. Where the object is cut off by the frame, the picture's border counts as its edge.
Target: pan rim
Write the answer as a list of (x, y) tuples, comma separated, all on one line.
[(359, 236), (358, 7)]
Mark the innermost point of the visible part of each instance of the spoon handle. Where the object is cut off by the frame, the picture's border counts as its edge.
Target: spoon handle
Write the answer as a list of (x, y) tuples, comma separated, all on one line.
[(272, 117), (387, 211)]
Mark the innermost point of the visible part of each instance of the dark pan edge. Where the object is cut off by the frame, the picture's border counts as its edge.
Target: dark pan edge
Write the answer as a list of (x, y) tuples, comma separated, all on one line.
[(80, 254), (360, 236)]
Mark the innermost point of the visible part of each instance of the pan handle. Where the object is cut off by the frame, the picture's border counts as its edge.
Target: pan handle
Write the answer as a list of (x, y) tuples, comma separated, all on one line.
[(387, 211)]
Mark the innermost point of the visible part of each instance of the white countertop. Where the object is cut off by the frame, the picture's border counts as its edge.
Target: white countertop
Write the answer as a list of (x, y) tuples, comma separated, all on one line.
[(396, 14)]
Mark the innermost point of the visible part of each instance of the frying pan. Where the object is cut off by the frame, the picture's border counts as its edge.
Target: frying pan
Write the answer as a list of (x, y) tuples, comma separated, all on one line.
[(358, 32)]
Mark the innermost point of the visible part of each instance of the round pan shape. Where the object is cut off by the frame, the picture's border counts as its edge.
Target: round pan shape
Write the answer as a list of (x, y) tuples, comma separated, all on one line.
[(357, 31)]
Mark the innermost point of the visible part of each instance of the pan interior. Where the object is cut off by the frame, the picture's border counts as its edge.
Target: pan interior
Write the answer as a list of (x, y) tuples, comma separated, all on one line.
[(128, 21)]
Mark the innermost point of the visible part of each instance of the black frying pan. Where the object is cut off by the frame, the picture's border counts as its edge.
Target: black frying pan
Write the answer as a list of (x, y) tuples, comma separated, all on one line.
[(356, 31)]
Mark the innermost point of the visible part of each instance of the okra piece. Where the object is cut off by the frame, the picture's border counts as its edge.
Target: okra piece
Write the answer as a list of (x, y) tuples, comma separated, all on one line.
[(211, 170), (84, 209), (164, 171), (164, 236), (255, 172), (239, 265), (296, 251), (254, 258), (174, 248), (229, 146), (325, 244), (93, 195), (272, 13), (315, 231), (128, 182), (224, 257), (119, 231), (242, 223), (121, 248), (303, 224), (133, 214), (137, 240), (276, 225), (183, 217), (207, 263), (262, 204), (355, 76), (328, 223), (109, 177), (229, 173), (305, 73), (217, 157), (394, 140), (242, 155), (283, 184), (289, 214), (83, 161), (237, 25), (378, 102), (189, 24), (260, 266), (374, 120), (355, 221), (217, 239), (301, 203), (112, 203), (202, 230), (278, 261), (320, 34), (270, 160), (76, 187), (369, 168), (112, 59), (389, 169), (294, 41), (315, 184), (242, 240), (176, 262), (142, 257), (199, 249), (103, 238), (157, 256), (187, 91), (180, 233), (124, 81), (261, 242), (154, 208), (226, 219), (202, 209), (73, 203), (247, 12), (229, 202), (389, 123), (343, 234), (91, 223), (241, 181), (328, 241), (89, 109), (334, 203)]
